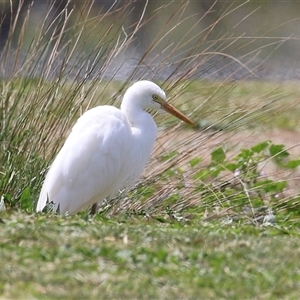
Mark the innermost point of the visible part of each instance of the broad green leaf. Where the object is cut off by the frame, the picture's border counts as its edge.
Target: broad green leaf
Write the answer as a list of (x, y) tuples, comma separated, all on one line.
[(293, 164), (278, 151), (260, 147), (218, 155)]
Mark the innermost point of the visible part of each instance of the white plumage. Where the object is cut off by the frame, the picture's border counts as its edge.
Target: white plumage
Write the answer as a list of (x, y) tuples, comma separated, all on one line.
[(106, 151)]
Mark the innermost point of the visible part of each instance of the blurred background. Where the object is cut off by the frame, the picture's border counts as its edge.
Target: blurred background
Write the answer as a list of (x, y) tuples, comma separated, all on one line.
[(217, 39)]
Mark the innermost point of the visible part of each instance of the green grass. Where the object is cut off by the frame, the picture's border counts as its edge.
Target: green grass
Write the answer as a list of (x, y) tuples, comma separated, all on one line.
[(52, 257)]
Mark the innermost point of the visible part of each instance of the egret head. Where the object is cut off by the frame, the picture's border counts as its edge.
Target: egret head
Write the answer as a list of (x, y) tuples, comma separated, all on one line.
[(147, 95)]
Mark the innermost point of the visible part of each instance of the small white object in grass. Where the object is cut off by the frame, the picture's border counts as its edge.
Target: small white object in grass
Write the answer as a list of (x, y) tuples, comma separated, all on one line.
[(237, 173), (2, 204), (269, 219), (106, 151), (227, 221)]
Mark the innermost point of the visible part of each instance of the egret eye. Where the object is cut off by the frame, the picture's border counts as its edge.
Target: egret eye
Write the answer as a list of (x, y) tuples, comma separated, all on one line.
[(155, 98)]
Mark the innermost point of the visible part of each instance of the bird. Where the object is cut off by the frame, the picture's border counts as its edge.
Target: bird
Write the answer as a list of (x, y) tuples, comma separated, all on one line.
[(106, 150)]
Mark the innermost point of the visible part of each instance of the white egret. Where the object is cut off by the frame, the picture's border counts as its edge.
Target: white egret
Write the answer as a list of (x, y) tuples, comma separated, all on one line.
[(106, 151)]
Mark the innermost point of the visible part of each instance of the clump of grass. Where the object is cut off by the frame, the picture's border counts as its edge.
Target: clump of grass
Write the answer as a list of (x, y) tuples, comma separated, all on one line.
[(74, 61)]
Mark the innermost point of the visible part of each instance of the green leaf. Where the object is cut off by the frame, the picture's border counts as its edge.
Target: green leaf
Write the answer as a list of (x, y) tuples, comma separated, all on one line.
[(218, 155), (169, 173), (169, 155), (7, 197), (202, 175), (25, 199), (231, 167), (278, 151), (144, 193), (278, 186), (195, 161), (215, 171), (270, 186), (293, 164), (260, 147), (245, 154)]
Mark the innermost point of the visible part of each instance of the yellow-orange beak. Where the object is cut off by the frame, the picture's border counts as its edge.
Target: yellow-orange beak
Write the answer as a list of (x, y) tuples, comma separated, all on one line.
[(175, 112)]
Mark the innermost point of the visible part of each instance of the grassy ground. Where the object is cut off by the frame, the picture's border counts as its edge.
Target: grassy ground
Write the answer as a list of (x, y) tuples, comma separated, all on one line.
[(52, 257)]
